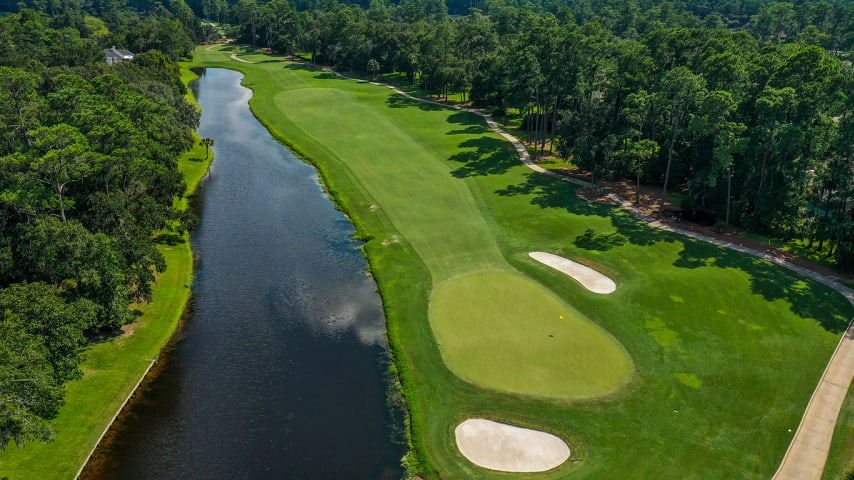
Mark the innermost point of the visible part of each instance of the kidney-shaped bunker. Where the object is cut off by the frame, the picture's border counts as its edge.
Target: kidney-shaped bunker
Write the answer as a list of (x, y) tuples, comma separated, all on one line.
[(498, 446)]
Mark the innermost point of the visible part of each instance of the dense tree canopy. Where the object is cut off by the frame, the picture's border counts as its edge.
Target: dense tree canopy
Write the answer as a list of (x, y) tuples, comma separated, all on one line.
[(88, 176), (744, 108)]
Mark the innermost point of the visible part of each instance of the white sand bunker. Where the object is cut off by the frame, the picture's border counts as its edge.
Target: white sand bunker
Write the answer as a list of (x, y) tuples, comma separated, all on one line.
[(506, 448), (586, 276)]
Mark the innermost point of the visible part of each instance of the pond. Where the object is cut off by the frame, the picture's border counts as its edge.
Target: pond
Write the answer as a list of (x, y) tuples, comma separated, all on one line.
[(279, 371)]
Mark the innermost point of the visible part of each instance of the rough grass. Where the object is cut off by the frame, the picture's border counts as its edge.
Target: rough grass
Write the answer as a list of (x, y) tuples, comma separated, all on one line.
[(112, 368), (726, 348)]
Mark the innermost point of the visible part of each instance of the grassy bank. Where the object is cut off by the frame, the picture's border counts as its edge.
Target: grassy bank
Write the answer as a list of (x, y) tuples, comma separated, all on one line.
[(725, 349), (840, 460), (112, 368)]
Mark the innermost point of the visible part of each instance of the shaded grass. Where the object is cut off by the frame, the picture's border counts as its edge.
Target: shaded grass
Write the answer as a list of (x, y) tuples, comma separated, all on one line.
[(799, 248), (727, 348), (111, 369), (554, 163)]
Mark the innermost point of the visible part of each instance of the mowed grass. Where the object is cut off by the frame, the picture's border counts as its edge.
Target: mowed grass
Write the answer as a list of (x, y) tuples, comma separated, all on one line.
[(726, 348), (840, 459), (444, 223), (112, 368), (501, 330)]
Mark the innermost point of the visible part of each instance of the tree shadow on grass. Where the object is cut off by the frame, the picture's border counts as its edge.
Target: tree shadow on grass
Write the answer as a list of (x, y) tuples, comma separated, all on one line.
[(307, 67), (327, 76), (590, 240), (467, 118), (474, 124), (700, 255), (470, 130), (399, 101), (490, 156), (808, 299), (549, 192), (170, 239)]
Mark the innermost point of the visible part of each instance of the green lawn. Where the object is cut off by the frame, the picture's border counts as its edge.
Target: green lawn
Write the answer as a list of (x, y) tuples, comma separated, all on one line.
[(726, 349), (112, 368), (501, 330), (840, 460)]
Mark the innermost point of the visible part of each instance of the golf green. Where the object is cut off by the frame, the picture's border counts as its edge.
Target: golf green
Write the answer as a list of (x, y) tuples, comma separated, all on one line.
[(502, 331)]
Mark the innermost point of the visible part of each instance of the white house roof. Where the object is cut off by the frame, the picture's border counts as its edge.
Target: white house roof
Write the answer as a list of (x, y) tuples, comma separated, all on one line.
[(118, 53)]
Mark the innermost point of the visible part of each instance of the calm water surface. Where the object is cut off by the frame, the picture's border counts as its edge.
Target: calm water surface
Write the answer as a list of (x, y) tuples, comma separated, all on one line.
[(279, 370)]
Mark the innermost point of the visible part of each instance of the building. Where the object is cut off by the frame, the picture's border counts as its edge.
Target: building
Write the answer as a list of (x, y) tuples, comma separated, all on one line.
[(116, 56)]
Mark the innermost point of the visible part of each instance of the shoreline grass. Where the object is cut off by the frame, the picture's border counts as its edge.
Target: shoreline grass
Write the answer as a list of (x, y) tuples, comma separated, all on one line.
[(727, 348), (112, 368)]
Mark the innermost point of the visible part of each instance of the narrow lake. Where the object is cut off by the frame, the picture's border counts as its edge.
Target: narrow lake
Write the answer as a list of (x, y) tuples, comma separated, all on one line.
[(279, 372)]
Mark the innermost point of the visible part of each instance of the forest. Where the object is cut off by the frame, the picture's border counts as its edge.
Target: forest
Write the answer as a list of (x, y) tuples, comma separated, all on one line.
[(741, 107), (88, 181)]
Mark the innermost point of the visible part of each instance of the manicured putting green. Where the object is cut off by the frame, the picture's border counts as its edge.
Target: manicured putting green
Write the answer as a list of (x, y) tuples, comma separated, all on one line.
[(500, 330)]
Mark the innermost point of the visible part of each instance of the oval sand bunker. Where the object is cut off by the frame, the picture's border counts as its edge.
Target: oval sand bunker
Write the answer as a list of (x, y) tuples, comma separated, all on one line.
[(586, 276), (506, 448)]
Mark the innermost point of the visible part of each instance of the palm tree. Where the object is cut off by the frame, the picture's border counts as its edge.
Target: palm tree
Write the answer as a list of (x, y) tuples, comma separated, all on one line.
[(208, 143)]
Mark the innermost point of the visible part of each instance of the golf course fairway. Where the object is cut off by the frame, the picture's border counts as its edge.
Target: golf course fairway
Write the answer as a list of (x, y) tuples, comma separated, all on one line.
[(698, 366)]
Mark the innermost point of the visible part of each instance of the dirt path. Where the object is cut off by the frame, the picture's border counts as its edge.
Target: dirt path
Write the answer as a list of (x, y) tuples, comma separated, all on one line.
[(808, 450)]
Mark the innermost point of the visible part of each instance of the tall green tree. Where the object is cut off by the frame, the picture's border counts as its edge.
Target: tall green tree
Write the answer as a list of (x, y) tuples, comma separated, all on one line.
[(29, 393), (680, 94), (63, 157), (207, 143)]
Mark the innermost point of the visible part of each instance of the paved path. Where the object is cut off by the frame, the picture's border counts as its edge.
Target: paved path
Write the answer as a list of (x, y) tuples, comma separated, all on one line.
[(235, 57), (807, 453)]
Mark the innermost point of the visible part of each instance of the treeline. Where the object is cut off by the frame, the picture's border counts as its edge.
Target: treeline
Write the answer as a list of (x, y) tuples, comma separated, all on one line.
[(827, 23), (87, 27), (753, 123), (88, 177)]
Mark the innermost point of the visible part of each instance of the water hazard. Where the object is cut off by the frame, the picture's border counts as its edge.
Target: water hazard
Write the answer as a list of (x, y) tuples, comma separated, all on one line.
[(279, 371)]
